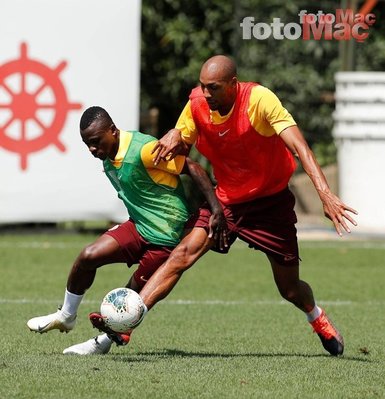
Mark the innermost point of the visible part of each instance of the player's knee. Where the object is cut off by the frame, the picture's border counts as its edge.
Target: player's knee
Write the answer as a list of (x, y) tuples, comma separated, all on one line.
[(89, 257), (289, 293)]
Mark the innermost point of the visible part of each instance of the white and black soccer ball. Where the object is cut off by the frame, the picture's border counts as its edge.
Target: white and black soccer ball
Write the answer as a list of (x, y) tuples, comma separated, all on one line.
[(122, 309)]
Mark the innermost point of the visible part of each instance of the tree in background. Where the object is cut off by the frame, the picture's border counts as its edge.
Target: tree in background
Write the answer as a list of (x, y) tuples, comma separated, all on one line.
[(179, 35)]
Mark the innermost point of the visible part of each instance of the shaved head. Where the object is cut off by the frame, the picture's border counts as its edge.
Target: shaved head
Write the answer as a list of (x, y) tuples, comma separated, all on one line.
[(220, 66), (218, 79)]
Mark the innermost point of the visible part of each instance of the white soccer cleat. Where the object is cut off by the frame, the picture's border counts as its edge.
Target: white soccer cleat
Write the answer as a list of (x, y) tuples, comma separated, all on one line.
[(52, 321), (90, 347)]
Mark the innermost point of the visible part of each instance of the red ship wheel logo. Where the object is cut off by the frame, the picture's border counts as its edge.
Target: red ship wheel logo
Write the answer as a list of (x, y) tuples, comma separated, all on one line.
[(33, 106)]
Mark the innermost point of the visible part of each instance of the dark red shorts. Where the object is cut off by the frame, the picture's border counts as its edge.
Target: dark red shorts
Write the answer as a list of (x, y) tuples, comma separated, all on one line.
[(266, 224), (138, 250)]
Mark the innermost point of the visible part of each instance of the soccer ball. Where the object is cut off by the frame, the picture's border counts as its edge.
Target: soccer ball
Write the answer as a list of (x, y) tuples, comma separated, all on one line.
[(122, 309)]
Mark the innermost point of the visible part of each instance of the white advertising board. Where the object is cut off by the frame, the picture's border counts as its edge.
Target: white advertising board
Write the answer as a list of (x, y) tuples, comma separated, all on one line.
[(57, 58)]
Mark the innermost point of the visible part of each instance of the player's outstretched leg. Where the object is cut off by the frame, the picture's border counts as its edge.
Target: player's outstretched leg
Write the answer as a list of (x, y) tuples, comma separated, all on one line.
[(330, 337), (99, 345), (103, 251)]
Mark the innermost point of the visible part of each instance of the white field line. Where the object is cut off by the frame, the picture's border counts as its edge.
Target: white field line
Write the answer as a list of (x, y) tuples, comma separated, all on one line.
[(237, 245), (213, 302), (40, 245)]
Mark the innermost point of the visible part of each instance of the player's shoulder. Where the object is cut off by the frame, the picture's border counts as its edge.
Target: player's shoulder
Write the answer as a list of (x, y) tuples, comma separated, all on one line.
[(261, 91), (146, 136), (263, 96), (146, 140)]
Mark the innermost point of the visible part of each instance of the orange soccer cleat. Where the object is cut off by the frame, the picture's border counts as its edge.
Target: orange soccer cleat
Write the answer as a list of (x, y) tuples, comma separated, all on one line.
[(330, 337), (97, 321)]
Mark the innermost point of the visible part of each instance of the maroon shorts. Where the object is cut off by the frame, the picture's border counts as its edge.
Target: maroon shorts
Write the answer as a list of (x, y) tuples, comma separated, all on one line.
[(266, 224), (138, 250)]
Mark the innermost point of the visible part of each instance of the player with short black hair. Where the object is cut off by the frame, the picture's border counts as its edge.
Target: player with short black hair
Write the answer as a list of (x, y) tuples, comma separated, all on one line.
[(158, 209)]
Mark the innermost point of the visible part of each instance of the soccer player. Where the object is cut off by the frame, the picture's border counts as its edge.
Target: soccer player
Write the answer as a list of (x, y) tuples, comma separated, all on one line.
[(250, 139), (155, 200)]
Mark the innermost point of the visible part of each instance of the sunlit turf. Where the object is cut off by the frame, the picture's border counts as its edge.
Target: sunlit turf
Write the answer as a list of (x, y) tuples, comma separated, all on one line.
[(224, 331)]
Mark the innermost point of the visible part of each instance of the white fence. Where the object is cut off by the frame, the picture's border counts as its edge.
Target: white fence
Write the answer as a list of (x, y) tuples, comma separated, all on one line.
[(360, 136)]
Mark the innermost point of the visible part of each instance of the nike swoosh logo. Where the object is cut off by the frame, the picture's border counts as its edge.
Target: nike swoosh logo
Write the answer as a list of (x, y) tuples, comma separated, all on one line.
[(220, 134), (40, 328)]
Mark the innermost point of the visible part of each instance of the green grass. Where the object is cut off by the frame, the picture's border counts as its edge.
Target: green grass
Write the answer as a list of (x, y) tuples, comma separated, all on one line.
[(222, 333)]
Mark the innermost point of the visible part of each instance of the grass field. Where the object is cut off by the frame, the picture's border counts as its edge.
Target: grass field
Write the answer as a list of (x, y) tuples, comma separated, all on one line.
[(222, 333)]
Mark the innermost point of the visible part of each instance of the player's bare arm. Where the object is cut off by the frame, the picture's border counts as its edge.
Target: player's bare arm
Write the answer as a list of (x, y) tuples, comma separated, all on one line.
[(218, 225), (169, 146), (334, 208)]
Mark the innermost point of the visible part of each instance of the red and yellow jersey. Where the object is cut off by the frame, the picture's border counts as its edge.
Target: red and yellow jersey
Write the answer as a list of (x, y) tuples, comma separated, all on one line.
[(265, 112), (249, 158)]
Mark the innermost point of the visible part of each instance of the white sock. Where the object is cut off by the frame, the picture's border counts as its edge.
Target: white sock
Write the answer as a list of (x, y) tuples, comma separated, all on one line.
[(314, 314), (103, 339), (71, 303)]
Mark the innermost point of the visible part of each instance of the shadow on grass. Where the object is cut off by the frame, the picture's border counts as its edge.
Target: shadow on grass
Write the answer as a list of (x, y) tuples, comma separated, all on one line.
[(176, 353)]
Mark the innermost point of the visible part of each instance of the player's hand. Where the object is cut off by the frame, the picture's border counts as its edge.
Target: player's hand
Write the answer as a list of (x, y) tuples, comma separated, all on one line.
[(337, 212), (168, 147), (218, 229)]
